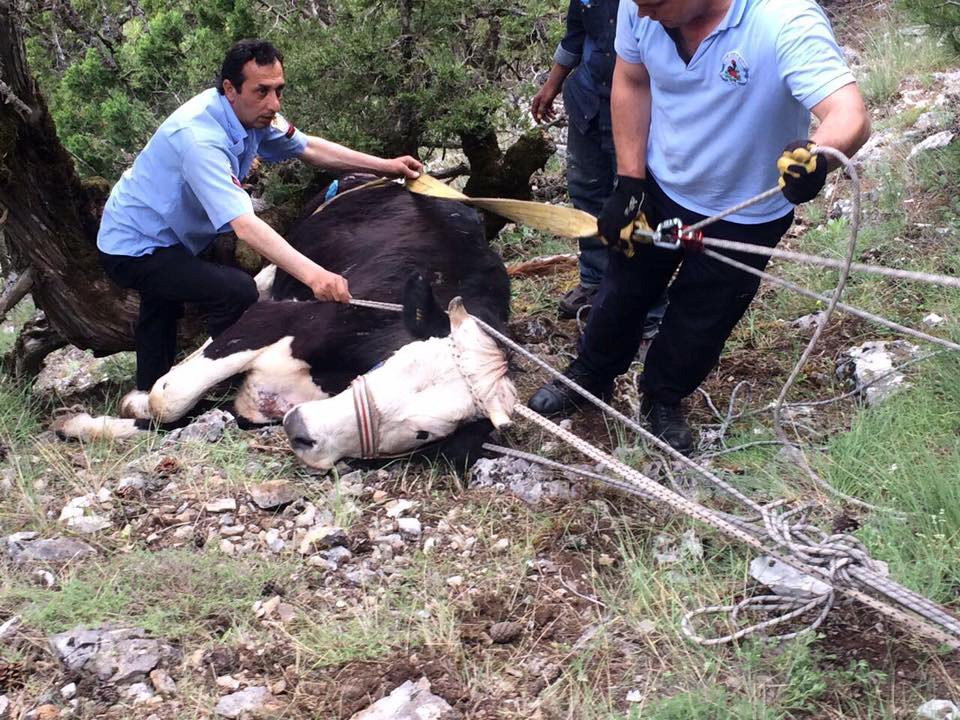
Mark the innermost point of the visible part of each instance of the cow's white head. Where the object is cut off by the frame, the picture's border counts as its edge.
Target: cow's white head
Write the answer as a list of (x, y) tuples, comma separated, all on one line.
[(422, 393)]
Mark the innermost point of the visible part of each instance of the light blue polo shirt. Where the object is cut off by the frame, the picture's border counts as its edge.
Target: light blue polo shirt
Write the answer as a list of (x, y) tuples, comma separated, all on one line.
[(184, 186), (718, 125)]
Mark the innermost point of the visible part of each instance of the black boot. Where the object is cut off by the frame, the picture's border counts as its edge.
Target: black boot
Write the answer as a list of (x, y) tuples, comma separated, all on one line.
[(579, 297), (555, 398), (668, 422)]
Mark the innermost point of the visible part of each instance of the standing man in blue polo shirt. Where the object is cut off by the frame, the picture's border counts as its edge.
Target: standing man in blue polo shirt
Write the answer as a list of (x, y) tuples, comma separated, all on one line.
[(185, 188), (711, 105), (587, 52)]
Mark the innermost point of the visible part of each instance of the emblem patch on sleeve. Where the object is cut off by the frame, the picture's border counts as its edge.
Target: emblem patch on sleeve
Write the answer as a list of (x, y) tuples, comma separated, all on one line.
[(236, 181), (281, 124), (734, 69)]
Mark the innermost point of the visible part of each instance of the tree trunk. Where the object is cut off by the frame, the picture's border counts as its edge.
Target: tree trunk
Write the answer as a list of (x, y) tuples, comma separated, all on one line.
[(52, 219), (494, 173)]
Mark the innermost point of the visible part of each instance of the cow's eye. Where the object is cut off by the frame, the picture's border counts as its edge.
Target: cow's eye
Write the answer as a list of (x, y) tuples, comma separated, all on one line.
[(422, 434)]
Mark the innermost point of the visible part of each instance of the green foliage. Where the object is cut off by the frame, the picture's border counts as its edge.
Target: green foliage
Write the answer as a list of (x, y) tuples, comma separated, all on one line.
[(356, 79), (943, 16)]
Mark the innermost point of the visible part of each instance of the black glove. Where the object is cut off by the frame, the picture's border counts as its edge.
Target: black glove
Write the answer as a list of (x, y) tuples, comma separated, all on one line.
[(628, 202), (802, 174)]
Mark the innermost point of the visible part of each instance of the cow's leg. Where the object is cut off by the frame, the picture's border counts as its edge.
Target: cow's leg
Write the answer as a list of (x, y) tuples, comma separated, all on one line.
[(422, 314), (175, 393)]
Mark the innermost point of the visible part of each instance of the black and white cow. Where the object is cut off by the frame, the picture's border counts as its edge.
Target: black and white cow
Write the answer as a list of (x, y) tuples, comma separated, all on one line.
[(427, 376)]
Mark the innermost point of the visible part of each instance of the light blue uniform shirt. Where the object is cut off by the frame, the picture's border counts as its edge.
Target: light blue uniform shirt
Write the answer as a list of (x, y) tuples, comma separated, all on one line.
[(718, 125), (184, 186)]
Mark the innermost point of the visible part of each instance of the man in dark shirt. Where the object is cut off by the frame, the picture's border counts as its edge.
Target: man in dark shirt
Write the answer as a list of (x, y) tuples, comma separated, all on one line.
[(587, 48)]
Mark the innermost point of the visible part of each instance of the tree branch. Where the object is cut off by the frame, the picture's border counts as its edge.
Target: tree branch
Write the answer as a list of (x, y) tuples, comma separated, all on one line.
[(8, 96), (16, 292)]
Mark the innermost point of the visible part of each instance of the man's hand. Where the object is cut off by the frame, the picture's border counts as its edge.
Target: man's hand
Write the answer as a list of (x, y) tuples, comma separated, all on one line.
[(802, 174), (405, 167), (541, 107), (628, 202), (326, 285)]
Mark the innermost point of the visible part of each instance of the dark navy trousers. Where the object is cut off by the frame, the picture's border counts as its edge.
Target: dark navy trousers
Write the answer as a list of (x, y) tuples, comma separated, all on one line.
[(166, 279), (706, 300)]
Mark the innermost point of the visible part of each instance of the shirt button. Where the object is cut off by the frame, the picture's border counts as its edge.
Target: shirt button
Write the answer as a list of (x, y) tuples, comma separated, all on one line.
[(611, 21)]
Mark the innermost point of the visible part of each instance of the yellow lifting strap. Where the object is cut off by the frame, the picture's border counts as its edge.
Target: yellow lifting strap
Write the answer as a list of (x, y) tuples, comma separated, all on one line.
[(555, 219)]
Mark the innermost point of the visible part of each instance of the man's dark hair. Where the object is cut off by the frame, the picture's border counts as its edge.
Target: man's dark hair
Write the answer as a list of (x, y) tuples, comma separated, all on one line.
[(240, 54)]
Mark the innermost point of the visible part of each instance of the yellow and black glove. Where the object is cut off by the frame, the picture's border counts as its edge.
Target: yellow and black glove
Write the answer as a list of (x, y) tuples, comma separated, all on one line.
[(628, 205), (802, 174)]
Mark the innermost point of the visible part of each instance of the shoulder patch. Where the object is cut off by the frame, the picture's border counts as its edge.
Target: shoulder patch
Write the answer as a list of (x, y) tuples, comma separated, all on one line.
[(281, 124), (734, 69)]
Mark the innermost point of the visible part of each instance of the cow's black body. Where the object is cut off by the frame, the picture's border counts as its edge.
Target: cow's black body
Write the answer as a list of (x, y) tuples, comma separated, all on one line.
[(392, 246)]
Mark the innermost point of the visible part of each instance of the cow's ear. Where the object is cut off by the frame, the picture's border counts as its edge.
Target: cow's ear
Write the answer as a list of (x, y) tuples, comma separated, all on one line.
[(457, 312)]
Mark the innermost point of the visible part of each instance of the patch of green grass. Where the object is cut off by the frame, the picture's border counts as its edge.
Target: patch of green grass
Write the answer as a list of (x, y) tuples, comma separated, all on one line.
[(175, 594), (905, 455), (890, 56)]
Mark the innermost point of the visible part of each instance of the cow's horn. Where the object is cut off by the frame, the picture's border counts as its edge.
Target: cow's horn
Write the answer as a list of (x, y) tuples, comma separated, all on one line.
[(456, 311)]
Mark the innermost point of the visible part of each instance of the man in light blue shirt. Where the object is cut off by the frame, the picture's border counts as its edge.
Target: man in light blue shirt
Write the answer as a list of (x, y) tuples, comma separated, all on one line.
[(707, 94), (185, 188)]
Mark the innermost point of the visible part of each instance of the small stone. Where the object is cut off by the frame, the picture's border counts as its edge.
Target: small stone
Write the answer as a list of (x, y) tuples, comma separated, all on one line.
[(88, 524), (429, 545), (605, 560), (338, 555), (938, 710), (221, 505), (279, 687), (933, 320), (634, 696), (409, 526), (163, 683), (267, 608), (140, 692), (396, 508), (273, 541), (286, 613), (409, 701), (306, 518), (324, 537), (46, 712), (232, 530), (504, 632), (380, 496), (129, 484), (244, 701), (455, 581), (273, 494), (4, 707), (227, 682), (68, 691), (9, 627), (500, 546)]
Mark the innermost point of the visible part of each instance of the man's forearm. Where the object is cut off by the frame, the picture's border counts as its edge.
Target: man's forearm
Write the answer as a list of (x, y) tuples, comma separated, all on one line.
[(630, 109), (844, 122), (558, 73), (338, 158), (269, 244)]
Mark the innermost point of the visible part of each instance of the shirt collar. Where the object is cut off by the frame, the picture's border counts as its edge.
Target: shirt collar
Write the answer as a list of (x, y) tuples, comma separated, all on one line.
[(735, 13), (231, 123)]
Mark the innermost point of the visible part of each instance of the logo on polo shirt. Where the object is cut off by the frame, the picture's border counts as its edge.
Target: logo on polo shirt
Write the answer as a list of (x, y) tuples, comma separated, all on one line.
[(281, 124), (734, 69)]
